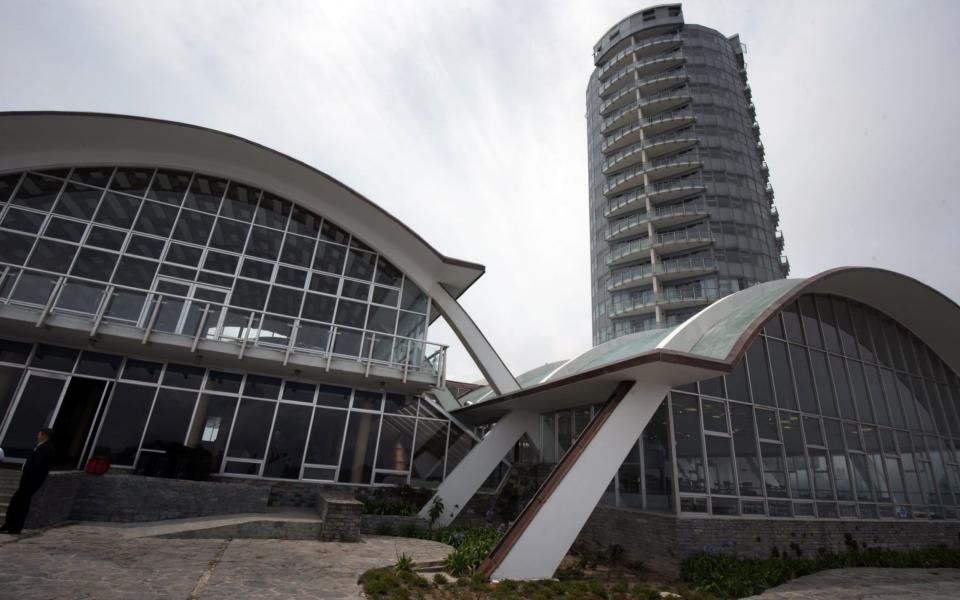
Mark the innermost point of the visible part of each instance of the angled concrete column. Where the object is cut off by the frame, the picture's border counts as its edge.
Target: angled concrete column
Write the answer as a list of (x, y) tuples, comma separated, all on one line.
[(497, 374), (465, 480), (535, 551)]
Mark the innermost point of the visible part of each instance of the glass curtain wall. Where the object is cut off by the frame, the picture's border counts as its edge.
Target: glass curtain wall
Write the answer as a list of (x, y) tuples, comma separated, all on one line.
[(160, 417), (232, 261)]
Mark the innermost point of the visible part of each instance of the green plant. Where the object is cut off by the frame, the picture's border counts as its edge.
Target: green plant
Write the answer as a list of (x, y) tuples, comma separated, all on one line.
[(404, 564), (440, 579), (728, 576), (644, 591), (384, 529), (436, 510), (620, 587)]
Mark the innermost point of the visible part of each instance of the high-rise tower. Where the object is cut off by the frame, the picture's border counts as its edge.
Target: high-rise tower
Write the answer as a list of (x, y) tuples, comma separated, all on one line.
[(681, 207)]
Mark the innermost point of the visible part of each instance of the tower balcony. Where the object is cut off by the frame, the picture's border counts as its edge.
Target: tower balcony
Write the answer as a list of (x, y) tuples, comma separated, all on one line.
[(659, 82), (769, 192), (622, 137), (672, 165), (623, 180), (646, 68), (665, 216), (784, 265), (646, 302), (621, 117), (617, 100), (664, 101), (626, 157), (666, 270), (778, 239), (648, 47), (665, 191), (666, 121), (774, 215), (671, 242), (669, 143), (67, 308)]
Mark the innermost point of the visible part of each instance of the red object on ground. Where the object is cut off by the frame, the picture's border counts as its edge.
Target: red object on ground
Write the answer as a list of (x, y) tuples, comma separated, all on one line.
[(98, 465)]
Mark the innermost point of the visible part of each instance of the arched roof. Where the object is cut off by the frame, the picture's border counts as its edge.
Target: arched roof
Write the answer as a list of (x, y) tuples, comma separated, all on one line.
[(34, 140), (714, 340)]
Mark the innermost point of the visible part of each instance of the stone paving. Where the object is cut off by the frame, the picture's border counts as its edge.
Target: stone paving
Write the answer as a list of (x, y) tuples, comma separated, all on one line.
[(108, 561), (850, 584)]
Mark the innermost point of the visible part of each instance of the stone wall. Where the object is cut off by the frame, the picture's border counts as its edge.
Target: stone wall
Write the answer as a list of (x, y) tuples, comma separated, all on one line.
[(53, 502), (341, 517), (389, 524), (121, 497), (661, 541)]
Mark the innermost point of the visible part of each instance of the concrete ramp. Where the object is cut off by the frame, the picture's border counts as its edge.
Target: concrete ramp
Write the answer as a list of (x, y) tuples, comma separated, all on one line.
[(281, 525)]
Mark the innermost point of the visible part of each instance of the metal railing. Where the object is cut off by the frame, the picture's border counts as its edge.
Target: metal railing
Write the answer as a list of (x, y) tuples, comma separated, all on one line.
[(615, 203), (669, 136), (662, 75), (686, 156), (675, 55), (609, 121), (625, 249), (629, 49), (673, 265), (621, 154), (623, 177), (687, 208), (649, 298), (667, 116), (619, 134), (200, 319)]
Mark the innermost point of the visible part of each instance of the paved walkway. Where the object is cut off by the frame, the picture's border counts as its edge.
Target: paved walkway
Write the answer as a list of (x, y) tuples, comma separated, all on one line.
[(850, 584), (107, 561)]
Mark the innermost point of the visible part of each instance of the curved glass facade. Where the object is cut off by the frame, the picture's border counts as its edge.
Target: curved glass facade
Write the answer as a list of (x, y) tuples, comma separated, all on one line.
[(184, 421), (678, 185), (836, 411), (196, 255)]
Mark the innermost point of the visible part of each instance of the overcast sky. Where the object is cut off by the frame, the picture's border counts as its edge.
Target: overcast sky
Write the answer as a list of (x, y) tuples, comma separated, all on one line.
[(466, 121)]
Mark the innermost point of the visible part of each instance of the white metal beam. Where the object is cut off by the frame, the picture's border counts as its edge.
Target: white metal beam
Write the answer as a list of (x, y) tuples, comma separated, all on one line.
[(541, 546), (465, 480)]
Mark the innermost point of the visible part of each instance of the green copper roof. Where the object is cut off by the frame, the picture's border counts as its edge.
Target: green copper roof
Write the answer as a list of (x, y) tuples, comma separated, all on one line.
[(613, 351)]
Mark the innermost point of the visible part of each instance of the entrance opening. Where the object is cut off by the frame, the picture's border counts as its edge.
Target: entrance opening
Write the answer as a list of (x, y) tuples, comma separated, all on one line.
[(75, 418)]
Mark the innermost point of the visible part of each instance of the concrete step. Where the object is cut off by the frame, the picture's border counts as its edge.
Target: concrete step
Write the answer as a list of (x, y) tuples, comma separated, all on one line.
[(430, 566)]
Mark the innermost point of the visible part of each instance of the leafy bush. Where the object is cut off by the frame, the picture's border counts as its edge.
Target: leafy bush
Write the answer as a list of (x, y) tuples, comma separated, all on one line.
[(440, 579), (379, 506), (728, 576), (404, 564)]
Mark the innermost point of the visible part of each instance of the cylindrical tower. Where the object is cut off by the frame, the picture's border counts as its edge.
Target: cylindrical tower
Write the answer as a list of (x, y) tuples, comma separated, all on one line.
[(681, 208)]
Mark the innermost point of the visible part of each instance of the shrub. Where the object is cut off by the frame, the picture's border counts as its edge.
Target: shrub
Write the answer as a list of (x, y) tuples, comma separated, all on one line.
[(440, 579), (404, 564), (728, 576)]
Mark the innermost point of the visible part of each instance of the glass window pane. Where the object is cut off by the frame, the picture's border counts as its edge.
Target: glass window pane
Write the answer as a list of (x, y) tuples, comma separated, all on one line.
[(396, 441), (351, 313), (219, 381), (273, 212), (78, 201), (135, 272), (287, 442), (131, 180), (829, 323), (37, 191), (292, 277), (811, 327), (689, 449), (304, 222), (714, 416), (205, 193), (382, 319), (98, 176), (210, 430), (123, 425), (759, 373), (879, 403), (774, 472), (23, 220), (360, 264), (117, 210), (111, 239), (264, 243), (330, 258), (285, 301), (365, 400), (15, 246), (782, 378), (387, 274), (326, 437), (169, 187), (7, 184), (745, 447), (193, 227), (299, 391), (791, 321), (172, 411), (141, 370), (860, 394), (240, 202), (99, 364), (249, 439), (65, 229), (229, 235), (767, 424), (144, 246), (80, 297), (821, 371), (183, 376), (50, 255), (249, 294), (94, 264), (262, 387), (356, 465), (330, 395), (720, 466), (332, 233), (413, 298), (55, 358), (156, 218), (799, 478), (224, 263), (842, 387), (297, 250), (429, 451)]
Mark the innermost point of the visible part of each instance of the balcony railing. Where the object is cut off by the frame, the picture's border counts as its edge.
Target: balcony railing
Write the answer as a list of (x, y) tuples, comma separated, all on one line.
[(667, 116), (670, 136), (625, 71), (197, 320), (687, 156), (622, 154), (619, 134), (644, 271), (618, 114), (626, 249), (615, 203), (614, 98), (673, 210), (623, 177), (635, 47), (648, 299)]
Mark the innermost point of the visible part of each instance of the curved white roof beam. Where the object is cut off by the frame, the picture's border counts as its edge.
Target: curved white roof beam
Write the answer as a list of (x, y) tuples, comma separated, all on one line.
[(38, 140)]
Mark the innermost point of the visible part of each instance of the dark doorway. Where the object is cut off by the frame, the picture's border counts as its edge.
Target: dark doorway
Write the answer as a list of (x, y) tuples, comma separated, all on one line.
[(74, 420)]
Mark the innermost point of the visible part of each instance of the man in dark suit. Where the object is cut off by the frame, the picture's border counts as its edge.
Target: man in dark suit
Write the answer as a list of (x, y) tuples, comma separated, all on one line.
[(34, 474)]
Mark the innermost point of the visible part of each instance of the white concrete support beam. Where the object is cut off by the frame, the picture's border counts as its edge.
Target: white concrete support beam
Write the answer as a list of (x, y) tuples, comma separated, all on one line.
[(465, 480), (544, 542), (497, 374)]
